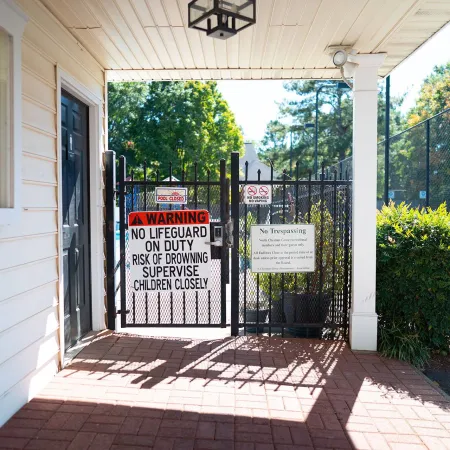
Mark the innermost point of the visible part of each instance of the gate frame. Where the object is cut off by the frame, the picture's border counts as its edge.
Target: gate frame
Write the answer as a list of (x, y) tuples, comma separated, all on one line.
[(236, 201), (223, 185)]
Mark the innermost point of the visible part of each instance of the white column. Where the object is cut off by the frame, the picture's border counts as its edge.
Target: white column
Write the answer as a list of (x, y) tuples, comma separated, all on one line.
[(363, 317)]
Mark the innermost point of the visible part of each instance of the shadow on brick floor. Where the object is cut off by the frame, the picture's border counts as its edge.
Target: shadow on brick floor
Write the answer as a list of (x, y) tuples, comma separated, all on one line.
[(244, 393)]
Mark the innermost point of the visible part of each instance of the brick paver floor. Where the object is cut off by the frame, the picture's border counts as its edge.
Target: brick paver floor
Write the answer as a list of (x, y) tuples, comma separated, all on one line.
[(245, 393)]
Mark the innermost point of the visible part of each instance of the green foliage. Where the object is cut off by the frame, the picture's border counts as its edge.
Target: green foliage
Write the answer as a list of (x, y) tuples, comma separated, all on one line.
[(308, 283), (408, 151), (397, 343), (434, 95), (172, 122), (335, 126), (413, 279)]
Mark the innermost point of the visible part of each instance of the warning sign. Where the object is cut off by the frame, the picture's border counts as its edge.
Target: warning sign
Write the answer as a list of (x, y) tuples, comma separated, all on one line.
[(177, 196), (258, 194), (169, 251)]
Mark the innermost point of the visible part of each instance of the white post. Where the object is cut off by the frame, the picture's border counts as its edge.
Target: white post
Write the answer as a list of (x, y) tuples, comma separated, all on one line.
[(363, 317)]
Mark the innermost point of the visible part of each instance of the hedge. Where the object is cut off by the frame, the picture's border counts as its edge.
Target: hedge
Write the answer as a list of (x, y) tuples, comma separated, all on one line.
[(413, 281)]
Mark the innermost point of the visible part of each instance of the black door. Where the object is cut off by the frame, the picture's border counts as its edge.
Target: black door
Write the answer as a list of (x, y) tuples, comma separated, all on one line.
[(75, 203)]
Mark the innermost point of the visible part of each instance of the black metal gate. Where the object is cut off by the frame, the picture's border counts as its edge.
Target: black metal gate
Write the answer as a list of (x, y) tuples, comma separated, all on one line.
[(314, 304), (174, 309)]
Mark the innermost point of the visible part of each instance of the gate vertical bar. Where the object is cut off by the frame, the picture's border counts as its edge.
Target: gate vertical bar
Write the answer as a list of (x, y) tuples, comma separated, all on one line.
[(159, 293), (145, 209), (333, 287), (227, 216), (208, 203), (245, 252), (170, 209), (258, 207), (122, 225), (234, 251), (110, 187), (270, 275), (322, 219), (183, 179), (224, 216), (284, 222), (196, 206), (133, 297), (347, 272)]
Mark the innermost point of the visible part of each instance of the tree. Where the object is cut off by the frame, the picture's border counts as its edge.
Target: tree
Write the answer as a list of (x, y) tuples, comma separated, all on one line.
[(335, 126), (124, 103), (334, 135), (408, 152), (173, 122), (434, 95)]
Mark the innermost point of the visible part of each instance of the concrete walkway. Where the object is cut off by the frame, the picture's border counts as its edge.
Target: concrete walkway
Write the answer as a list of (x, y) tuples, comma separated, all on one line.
[(248, 393)]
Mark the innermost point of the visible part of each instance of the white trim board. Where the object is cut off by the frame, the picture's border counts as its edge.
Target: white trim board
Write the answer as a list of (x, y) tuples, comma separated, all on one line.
[(73, 86), (13, 21)]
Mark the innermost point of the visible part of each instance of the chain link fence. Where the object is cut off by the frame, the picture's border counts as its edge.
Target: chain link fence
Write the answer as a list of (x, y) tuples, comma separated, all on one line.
[(419, 164)]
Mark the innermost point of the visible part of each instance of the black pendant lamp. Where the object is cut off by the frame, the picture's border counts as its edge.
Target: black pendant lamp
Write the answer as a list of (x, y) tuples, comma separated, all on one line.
[(221, 18)]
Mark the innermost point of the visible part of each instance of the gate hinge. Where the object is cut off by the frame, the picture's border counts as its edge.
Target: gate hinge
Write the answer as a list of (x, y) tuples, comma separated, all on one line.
[(119, 311)]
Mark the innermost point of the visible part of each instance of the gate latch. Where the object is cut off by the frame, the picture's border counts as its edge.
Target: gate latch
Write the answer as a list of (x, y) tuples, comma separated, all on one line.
[(217, 238)]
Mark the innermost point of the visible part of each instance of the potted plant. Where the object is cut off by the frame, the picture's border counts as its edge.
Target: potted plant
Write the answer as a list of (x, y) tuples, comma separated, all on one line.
[(256, 310), (307, 296), (272, 287)]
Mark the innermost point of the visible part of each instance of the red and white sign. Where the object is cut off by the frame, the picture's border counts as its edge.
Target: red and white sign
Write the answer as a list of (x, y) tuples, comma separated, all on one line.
[(168, 251), (177, 196), (258, 194)]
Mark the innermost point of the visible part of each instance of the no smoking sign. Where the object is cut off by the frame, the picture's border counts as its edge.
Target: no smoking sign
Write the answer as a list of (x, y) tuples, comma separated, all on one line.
[(258, 194)]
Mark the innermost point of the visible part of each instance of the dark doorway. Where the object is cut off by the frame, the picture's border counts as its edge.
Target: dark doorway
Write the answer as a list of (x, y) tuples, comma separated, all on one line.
[(75, 204)]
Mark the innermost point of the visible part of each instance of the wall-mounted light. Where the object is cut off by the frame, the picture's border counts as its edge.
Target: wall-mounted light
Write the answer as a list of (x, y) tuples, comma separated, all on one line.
[(340, 58), (221, 19)]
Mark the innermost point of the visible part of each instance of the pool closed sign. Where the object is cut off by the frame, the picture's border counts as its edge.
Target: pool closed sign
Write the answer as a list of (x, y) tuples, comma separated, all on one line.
[(169, 251)]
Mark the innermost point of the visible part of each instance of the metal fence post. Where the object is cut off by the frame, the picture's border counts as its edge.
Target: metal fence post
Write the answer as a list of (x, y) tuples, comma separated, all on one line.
[(427, 164), (110, 236), (224, 252), (234, 250), (122, 222), (387, 139)]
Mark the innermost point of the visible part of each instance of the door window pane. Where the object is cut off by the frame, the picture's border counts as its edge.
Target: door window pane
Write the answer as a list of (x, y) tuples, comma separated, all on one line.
[(6, 168)]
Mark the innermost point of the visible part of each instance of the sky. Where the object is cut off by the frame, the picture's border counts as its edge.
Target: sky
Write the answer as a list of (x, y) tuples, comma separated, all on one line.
[(254, 102)]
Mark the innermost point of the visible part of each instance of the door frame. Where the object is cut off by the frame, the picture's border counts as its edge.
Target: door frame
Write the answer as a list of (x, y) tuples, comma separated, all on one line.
[(96, 149)]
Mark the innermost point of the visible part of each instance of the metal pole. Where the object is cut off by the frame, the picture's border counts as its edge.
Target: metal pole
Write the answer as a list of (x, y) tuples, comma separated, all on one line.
[(290, 158), (224, 253), (387, 141), (123, 224), (110, 205), (428, 165), (316, 135), (234, 251)]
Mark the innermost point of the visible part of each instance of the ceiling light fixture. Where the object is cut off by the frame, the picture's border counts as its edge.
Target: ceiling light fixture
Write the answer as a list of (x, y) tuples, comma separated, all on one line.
[(221, 19)]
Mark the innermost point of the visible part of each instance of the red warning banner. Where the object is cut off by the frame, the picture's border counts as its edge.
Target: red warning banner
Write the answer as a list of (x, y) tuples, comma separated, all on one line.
[(167, 218)]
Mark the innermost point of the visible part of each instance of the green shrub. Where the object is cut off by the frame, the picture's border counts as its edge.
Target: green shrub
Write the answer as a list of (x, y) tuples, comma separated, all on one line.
[(413, 281), (396, 343)]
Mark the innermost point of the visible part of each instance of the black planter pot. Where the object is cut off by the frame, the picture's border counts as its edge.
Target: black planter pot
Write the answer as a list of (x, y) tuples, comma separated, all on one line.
[(306, 308), (276, 316), (251, 316)]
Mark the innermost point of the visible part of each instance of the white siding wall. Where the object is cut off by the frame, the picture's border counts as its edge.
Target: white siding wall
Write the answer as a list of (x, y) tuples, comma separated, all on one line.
[(29, 303)]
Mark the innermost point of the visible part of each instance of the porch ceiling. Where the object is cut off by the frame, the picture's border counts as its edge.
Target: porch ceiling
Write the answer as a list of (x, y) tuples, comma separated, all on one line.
[(150, 40)]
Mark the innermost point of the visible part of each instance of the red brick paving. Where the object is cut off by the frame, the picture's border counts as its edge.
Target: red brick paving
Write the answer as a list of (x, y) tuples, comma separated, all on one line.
[(248, 393)]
